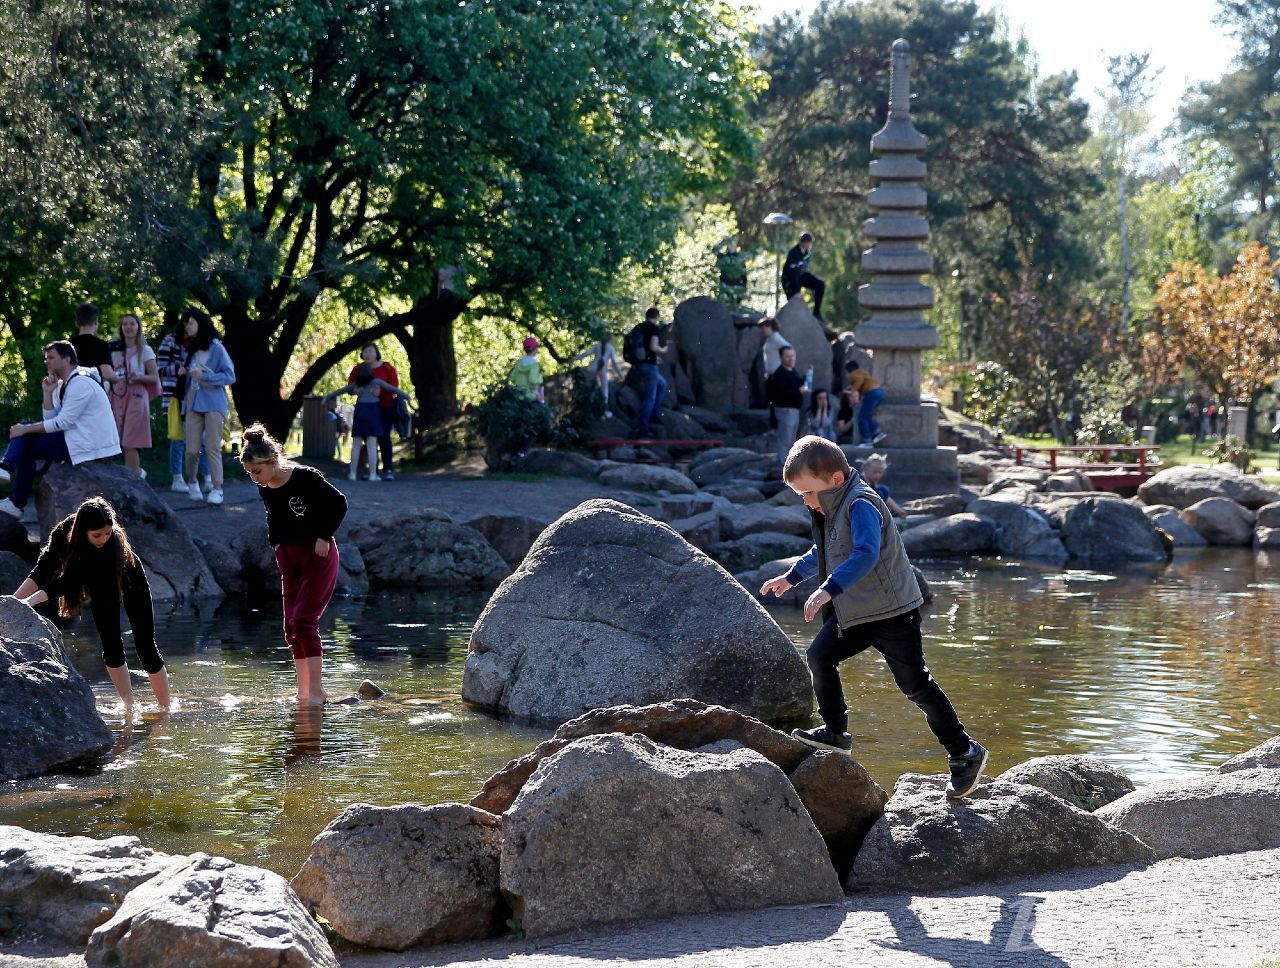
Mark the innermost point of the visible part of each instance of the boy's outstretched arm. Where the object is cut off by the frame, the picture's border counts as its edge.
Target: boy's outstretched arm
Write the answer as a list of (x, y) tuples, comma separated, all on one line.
[(804, 569), (864, 526)]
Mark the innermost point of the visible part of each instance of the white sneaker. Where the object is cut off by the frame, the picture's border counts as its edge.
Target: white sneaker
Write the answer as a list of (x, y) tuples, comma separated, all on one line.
[(11, 509), (142, 473), (208, 484), (4, 476), (351, 476), (194, 492), (179, 486), (215, 496)]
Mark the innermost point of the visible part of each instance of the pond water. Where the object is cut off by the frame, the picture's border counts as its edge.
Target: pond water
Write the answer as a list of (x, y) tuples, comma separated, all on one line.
[(1163, 671)]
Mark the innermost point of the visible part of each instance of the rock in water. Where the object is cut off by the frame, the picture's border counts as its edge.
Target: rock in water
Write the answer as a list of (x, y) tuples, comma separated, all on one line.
[(511, 535), (370, 690), (206, 910), (1263, 755), (1185, 485), (1083, 781), (926, 843), (393, 877), (616, 828), (611, 607), (1220, 521), (957, 535), (1222, 813), (48, 717), (1105, 529), (175, 568), (426, 548), (61, 888)]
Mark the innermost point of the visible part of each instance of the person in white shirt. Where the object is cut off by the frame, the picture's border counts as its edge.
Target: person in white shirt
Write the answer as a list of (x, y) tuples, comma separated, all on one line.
[(774, 344), (603, 356), (78, 426)]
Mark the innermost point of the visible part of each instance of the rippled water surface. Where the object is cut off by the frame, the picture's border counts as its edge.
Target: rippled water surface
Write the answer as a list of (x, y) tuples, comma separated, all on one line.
[(1162, 671)]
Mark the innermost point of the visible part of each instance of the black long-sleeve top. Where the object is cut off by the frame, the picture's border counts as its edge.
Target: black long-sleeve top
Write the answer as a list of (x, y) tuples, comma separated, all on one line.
[(795, 265), (783, 388), (94, 569), (304, 508)]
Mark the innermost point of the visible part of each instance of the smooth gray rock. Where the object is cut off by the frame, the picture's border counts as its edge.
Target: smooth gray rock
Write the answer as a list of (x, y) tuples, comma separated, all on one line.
[(612, 607), (1165, 517), (1267, 539), (510, 535), (561, 463), (646, 477), (737, 493), (926, 843), (761, 518), (802, 330), (1183, 486), (13, 571), (706, 347), (1101, 529), (786, 498), (711, 420), (754, 550), (176, 571), (1086, 782), (1020, 531), (14, 538), (937, 506), (723, 465), (426, 548), (48, 717), (702, 530), (1016, 476), (1220, 813), (1268, 516), (843, 801), (958, 534), (679, 425), (61, 888), (204, 910), (618, 828), (245, 563), (394, 877), (1067, 482), (1263, 755), (975, 469), (753, 579), (1221, 521), (677, 507)]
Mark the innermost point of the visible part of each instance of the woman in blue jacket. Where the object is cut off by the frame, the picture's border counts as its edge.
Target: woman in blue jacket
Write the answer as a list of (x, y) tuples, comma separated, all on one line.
[(208, 372)]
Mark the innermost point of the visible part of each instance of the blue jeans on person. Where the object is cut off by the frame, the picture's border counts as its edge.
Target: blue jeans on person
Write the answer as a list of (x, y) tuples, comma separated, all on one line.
[(177, 451), (867, 426), (22, 455), (653, 389)]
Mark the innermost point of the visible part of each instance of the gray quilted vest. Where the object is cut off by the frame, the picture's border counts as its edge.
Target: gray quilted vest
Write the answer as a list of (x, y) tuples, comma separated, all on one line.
[(890, 588)]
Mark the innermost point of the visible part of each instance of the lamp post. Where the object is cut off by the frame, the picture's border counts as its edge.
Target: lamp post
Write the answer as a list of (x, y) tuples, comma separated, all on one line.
[(775, 222)]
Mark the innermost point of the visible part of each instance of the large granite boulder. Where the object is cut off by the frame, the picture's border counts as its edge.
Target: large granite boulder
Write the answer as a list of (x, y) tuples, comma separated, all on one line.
[(393, 877), (737, 492), (755, 550), (161, 538), (1095, 528), (1221, 521), (58, 889), (1185, 485), (722, 465), (14, 538), (48, 717), (1016, 476), (842, 800), (1267, 531), (937, 506), (1086, 782), (426, 548), (1264, 755), (562, 463), (1021, 531), (679, 425), (802, 330), (1221, 813), (646, 477), (1165, 517), (925, 842), (956, 535), (616, 828), (701, 530), (510, 535), (756, 577), (611, 607), (13, 571), (204, 910), (244, 563), (757, 518), (707, 348)]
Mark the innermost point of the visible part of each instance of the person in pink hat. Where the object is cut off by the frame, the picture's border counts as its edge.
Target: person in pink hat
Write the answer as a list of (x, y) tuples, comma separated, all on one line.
[(526, 375)]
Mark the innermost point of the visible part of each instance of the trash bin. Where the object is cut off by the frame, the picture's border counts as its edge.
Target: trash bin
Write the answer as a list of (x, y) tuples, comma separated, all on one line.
[(1148, 434), (319, 431)]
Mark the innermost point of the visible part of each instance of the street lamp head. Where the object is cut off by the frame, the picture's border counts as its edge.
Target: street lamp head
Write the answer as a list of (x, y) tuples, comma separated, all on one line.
[(777, 218)]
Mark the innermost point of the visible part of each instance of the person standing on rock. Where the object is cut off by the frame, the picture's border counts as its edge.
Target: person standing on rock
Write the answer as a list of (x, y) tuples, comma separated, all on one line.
[(870, 599), (796, 274), (653, 387), (88, 559), (303, 513), (786, 390)]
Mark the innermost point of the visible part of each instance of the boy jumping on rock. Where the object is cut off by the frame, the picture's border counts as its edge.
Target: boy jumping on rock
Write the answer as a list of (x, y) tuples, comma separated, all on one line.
[(870, 599)]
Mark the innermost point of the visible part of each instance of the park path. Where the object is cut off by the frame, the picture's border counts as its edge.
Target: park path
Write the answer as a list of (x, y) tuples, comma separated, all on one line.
[(1221, 912)]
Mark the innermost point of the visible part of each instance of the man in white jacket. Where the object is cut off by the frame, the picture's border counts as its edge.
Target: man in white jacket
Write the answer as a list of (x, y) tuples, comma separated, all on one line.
[(77, 426)]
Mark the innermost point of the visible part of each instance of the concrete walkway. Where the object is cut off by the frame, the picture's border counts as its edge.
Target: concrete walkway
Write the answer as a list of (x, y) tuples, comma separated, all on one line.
[(1223, 911)]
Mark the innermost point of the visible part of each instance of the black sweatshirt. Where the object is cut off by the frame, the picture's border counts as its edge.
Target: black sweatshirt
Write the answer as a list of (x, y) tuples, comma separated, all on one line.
[(783, 388), (304, 508), (95, 570)]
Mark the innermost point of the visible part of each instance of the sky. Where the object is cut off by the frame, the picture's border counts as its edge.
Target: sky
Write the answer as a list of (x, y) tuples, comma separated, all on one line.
[(1080, 34)]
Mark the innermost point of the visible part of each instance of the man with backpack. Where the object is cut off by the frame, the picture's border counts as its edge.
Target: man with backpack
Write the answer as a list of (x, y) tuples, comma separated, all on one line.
[(642, 349)]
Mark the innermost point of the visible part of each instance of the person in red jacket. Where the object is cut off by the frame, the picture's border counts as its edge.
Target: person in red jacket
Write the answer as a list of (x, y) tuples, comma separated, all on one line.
[(387, 402)]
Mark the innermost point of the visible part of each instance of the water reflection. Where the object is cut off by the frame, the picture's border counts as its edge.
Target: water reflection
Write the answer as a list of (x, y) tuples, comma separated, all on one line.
[(1163, 671)]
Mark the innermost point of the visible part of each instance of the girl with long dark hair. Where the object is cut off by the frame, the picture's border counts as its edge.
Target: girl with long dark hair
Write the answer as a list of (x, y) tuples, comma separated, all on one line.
[(88, 560)]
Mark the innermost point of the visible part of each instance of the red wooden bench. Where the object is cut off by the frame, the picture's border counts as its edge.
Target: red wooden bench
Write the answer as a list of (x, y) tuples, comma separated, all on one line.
[(607, 445), (1103, 473)]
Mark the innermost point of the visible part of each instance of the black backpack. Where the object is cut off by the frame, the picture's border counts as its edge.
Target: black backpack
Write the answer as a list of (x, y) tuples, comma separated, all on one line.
[(633, 348)]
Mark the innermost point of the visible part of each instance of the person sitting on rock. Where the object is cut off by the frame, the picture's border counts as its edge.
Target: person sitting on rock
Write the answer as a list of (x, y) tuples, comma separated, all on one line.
[(88, 559), (846, 418), (796, 274), (870, 598), (871, 394), (873, 469), (78, 426)]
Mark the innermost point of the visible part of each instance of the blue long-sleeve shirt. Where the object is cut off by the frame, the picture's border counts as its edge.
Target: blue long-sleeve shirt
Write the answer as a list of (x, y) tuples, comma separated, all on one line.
[(864, 525)]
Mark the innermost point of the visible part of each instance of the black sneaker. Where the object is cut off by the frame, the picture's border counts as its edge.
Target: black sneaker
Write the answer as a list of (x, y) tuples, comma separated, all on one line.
[(965, 771), (824, 739)]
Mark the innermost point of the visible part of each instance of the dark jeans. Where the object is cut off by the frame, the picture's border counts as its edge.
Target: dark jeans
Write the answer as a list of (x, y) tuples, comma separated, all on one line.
[(106, 616), (808, 280), (897, 639), (22, 455), (653, 387), (867, 426)]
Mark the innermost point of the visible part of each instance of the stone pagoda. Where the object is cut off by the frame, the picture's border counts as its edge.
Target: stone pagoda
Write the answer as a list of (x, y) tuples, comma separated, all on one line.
[(896, 298)]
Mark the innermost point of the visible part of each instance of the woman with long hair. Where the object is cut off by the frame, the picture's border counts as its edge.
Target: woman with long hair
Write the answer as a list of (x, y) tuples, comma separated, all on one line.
[(303, 512), (137, 383), (88, 559), (209, 371), (822, 420)]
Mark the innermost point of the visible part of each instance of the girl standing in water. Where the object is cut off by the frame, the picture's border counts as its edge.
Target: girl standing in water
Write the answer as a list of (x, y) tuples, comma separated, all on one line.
[(88, 559), (303, 512)]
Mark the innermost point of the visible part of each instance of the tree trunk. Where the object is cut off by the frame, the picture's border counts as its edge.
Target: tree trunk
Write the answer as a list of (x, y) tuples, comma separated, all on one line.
[(433, 362)]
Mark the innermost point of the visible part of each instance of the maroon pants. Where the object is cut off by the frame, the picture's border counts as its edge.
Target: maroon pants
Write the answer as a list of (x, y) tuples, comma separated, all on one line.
[(307, 581)]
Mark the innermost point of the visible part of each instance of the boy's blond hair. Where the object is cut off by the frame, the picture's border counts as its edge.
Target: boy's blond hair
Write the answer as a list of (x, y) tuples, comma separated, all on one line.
[(816, 456), (876, 459)]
